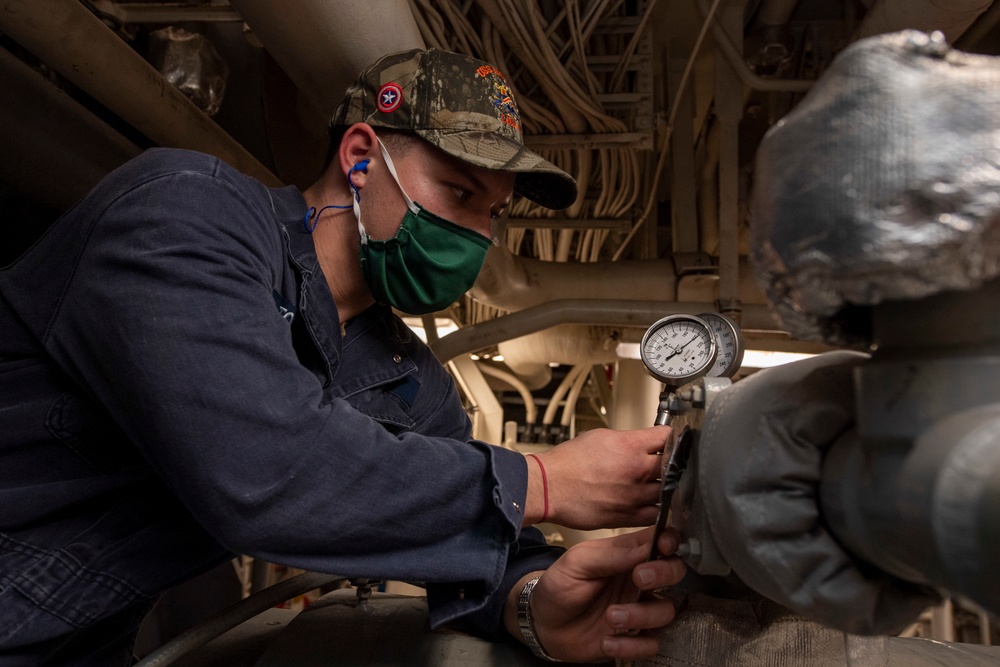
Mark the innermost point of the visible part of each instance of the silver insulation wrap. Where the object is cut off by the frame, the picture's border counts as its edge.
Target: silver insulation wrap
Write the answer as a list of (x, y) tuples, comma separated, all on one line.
[(883, 184)]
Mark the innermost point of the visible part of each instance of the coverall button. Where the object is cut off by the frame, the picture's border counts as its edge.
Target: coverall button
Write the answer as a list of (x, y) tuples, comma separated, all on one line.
[(397, 358)]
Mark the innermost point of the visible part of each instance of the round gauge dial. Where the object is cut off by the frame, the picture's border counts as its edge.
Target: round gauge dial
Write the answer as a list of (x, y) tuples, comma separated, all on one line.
[(729, 341), (678, 347)]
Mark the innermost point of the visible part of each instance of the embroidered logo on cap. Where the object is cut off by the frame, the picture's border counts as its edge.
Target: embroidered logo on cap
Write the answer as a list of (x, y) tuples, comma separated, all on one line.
[(390, 96), (501, 97)]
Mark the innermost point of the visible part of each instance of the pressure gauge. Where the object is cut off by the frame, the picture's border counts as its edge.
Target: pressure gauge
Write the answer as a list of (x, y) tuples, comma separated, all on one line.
[(678, 347), (729, 341)]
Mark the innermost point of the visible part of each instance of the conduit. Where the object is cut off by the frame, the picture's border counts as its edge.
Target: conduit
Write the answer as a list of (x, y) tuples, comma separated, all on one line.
[(561, 390), (569, 410), (74, 42)]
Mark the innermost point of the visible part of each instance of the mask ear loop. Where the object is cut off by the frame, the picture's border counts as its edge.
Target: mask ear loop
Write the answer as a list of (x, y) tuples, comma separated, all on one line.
[(312, 215), (392, 170)]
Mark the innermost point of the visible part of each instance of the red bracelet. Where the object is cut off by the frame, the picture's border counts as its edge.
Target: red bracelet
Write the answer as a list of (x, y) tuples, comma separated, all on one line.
[(545, 489)]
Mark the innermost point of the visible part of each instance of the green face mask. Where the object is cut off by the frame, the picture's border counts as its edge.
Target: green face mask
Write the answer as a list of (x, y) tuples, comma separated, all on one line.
[(427, 265)]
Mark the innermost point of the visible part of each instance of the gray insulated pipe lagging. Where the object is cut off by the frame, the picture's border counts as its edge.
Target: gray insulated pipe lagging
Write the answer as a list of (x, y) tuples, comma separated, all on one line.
[(927, 510)]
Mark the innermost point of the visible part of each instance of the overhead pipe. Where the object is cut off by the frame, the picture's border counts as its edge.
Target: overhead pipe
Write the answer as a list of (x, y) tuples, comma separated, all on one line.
[(511, 282), (74, 42), (952, 18), (617, 312), (55, 150)]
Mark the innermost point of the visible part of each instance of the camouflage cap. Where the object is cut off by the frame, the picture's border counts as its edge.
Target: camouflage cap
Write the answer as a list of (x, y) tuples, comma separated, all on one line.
[(463, 106)]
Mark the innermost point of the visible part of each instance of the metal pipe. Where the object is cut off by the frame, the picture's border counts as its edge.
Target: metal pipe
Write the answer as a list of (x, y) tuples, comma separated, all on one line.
[(54, 149), (74, 42), (579, 311)]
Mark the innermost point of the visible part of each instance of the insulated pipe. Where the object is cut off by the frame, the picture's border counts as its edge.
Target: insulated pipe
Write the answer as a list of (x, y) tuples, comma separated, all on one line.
[(925, 513), (323, 45), (580, 311), (565, 344), (952, 18), (54, 150), (515, 283), (530, 409), (66, 36)]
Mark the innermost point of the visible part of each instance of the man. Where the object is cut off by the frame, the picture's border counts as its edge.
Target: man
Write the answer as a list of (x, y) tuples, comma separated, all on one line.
[(195, 365)]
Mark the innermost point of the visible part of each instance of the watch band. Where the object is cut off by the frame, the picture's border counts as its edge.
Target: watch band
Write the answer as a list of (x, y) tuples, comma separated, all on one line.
[(527, 623)]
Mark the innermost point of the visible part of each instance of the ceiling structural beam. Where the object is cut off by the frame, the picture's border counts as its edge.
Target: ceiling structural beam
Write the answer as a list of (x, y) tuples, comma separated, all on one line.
[(93, 57)]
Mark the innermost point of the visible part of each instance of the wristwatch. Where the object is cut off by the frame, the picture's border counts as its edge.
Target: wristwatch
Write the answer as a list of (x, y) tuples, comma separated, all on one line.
[(527, 623)]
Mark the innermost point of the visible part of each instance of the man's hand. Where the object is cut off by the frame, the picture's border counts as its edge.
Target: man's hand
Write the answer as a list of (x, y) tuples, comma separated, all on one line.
[(601, 479), (584, 606)]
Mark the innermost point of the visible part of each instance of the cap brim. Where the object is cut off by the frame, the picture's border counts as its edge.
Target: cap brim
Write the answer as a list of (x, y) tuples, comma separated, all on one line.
[(536, 178)]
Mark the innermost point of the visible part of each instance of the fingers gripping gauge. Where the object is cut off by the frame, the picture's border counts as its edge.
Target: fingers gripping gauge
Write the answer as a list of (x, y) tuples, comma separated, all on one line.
[(678, 348), (729, 341)]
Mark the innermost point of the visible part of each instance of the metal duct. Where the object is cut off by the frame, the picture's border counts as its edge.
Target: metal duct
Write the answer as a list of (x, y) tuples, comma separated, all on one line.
[(952, 18), (66, 36), (323, 46), (54, 149)]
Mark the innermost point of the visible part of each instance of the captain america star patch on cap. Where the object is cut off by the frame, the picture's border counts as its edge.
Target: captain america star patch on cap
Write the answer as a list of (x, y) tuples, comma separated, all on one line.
[(390, 96)]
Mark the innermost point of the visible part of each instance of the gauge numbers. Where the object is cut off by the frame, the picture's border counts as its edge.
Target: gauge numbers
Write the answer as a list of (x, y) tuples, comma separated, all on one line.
[(729, 341), (678, 347)]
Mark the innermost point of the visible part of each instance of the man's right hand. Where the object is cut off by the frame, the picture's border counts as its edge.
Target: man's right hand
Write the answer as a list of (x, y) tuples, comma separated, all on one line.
[(600, 479)]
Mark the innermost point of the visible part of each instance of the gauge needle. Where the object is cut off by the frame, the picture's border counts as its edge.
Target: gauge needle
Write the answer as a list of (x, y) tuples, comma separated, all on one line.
[(678, 350)]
